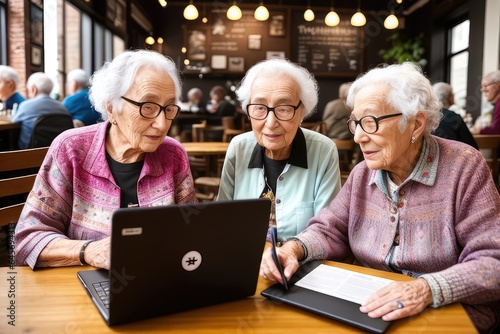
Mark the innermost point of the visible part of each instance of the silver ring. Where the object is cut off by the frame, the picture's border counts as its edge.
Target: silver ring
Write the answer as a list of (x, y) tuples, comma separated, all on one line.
[(400, 305)]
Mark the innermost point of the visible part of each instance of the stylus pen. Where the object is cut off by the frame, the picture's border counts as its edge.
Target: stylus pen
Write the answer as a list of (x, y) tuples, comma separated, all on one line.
[(274, 238)]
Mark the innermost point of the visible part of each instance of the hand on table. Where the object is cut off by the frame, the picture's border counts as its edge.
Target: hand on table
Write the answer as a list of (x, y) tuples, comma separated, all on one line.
[(287, 256), (97, 253), (398, 300)]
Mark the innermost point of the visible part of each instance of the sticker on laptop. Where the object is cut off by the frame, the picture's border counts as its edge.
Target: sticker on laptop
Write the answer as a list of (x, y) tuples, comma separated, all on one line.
[(132, 231), (191, 260)]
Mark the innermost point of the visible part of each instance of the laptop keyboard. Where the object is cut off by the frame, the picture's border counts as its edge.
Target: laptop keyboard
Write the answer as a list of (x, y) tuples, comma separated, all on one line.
[(102, 289)]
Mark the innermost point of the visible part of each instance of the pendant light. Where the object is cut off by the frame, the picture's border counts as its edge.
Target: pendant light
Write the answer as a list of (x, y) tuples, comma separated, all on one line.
[(391, 22), (309, 14), (191, 12), (358, 19), (261, 13), (234, 12), (332, 18)]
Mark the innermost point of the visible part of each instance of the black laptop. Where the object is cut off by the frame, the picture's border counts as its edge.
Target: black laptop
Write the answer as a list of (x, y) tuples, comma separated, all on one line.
[(180, 257), (323, 304)]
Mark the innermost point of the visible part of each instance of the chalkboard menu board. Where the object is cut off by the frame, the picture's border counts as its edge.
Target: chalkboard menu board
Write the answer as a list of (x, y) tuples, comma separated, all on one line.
[(327, 51), (224, 46)]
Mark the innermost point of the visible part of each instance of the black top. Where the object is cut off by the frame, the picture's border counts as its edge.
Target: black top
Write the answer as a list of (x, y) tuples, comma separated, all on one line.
[(126, 177), (453, 127)]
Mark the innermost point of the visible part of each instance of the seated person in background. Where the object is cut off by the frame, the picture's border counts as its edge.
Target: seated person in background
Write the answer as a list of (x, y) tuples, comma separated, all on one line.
[(418, 205), (195, 103), (218, 106), (444, 92), (39, 103), (77, 102), (297, 169), (9, 79), (336, 115), (125, 161), (490, 86), (452, 125)]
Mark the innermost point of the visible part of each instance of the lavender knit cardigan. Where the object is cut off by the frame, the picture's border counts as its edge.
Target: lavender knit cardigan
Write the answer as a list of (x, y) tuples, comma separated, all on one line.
[(75, 194), (448, 216)]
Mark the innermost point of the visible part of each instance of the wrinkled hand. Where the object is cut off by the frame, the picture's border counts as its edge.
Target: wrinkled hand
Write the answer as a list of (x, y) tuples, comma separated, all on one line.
[(287, 256), (97, 253), (414, 295)]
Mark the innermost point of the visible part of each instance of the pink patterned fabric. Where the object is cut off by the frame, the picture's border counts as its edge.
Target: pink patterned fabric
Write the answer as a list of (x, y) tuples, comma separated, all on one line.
[(75, 194)]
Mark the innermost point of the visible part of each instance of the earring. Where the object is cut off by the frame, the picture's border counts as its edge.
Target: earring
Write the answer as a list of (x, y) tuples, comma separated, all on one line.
[(413, 139), (113, 122)]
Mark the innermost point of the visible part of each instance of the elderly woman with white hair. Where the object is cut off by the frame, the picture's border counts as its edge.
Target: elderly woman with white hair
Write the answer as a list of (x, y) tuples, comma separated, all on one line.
[(126, 161), (418, 204), (296, 168)]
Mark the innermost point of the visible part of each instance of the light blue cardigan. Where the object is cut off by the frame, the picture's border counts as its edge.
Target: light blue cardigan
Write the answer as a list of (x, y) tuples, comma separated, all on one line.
[(300, 192)]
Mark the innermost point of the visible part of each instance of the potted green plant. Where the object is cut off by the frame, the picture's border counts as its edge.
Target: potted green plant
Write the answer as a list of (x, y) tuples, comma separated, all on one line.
[(404, 49)]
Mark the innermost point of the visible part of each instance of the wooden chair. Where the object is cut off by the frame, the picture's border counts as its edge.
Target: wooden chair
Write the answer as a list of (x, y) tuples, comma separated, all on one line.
[(205, 182), (18, 172), (319, 126), (230, 130), (48, 127), (489, 145)]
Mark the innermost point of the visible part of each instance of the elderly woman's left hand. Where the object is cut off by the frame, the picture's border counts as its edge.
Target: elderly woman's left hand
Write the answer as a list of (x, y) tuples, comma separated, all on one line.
[(398, 300)]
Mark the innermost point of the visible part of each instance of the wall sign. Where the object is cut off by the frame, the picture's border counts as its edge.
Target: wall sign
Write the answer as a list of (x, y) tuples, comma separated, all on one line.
[(324, 50)]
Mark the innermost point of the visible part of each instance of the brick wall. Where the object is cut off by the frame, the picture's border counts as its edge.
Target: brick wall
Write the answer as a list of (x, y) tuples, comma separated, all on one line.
[(18, 41)]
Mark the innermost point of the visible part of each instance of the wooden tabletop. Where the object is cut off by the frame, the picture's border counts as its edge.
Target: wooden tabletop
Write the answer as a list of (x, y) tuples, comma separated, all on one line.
[(205, 148), (54, 301)]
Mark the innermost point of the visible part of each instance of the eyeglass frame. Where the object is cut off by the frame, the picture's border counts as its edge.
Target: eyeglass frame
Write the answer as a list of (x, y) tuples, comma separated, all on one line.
[(483, 86), (376, 119), (162, 108), (269, 109)]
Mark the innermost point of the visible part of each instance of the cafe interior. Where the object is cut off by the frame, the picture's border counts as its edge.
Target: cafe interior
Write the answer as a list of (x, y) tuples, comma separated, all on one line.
[(214, 43)]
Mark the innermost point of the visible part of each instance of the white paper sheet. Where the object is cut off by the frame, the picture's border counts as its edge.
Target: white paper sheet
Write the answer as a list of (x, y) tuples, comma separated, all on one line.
[(342, 283)]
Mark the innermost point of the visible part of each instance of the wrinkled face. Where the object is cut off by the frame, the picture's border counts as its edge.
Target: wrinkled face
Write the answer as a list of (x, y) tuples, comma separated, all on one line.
[(273, 134), (490, 89), (6, 89), (135, 132), (387, 148)]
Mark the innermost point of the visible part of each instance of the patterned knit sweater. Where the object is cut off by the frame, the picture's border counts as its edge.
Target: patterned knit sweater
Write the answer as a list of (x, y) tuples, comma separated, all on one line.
[(447, 214), (75, 194)]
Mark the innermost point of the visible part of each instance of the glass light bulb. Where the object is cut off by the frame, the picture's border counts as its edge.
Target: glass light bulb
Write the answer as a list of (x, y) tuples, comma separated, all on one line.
[(358, 19), (261, 13), (391, 22), (332, 19), (190, 12), (309, 15), (159, 40), (150, 40), (234, 13)]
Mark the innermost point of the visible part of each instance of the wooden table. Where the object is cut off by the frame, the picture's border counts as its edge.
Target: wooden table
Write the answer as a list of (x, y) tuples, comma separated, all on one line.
[(9, 133), (54, 301)]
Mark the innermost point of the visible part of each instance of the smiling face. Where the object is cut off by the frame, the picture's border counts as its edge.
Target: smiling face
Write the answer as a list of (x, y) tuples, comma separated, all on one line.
[(275, 135), (490, 89), (134, 135), (388, 148)]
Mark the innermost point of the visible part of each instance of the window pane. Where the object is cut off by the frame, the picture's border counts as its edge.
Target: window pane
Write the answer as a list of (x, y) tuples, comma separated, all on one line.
[(118, 45), (72, 37), (98, 46), (86, 36), (3, 35), (458, 77), (460, 37)]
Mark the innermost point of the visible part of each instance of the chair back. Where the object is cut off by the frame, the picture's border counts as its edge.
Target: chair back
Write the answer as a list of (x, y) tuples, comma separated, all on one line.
[(319, 126), (489, 146), (230, 130), (48, 127), (22, 163)]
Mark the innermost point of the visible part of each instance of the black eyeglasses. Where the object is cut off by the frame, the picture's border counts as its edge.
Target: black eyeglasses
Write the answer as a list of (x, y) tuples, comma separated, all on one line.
[(368, 123), (284, 112), (151, 110), (483, 86)]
